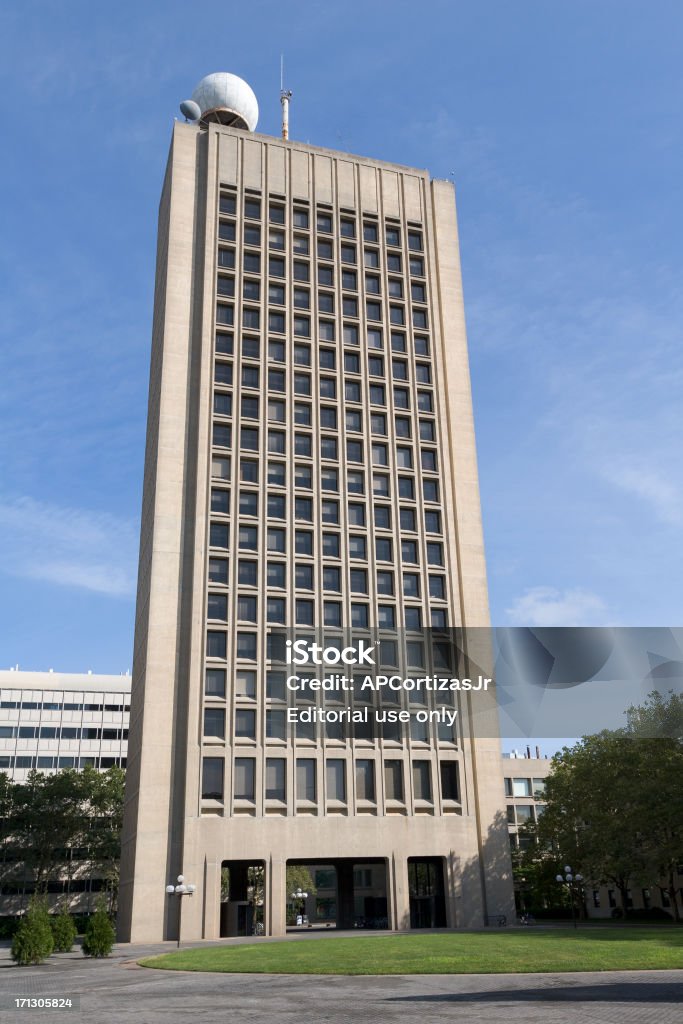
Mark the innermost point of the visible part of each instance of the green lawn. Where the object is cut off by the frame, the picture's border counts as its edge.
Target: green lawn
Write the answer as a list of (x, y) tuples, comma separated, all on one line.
[(496, 952)]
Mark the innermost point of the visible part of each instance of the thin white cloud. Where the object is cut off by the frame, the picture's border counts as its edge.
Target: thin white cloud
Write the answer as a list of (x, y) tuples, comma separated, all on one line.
[(69, 547), (547, 606), (663, 496)]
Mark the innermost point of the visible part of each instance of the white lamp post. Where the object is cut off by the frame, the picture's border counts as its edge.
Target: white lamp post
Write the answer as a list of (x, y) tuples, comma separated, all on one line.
[(180, 889), (300, 895), (573, 883)]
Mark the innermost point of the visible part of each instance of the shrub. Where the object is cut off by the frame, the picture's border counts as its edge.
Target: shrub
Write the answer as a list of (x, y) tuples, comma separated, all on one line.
[(63, 932), (33, 942), (99, 934)]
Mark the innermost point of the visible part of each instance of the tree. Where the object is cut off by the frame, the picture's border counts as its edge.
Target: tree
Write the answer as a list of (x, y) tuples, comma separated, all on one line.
[(299, 877), (98, 940), (614, 806), (33, 942), (63, 931)]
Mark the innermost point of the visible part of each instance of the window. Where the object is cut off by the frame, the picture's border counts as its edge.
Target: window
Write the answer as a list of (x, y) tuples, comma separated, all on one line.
[(252, 290), (220, 500), (302, 445), (224, 314), (212, 778), (227, 203), (352, 391), (214, 682), (351, 362), (449, 780), (275, 725), (303, 476), (411, 584), (220, 467), (359, 581), (428, 460), (325, 302), (423, 373), (348, 254), (328, 447), (276, 769), (326, 330), (275, 506), (305, 779), (329, 480), (349, 280), (276, 685), (302, 298), (244, 778), (418, 293), (399, 369), (328, 417), (215, 644), (347, 228), (245, 724), (393, 236), (302, 414), (404, 458), (303, 576), (354, 451), (331, 580), (248, 503), (420, 320), (331, 545), (424, 401), (356, 514), (303, 510), (276, 410), (226, 231), (252, 208), (332, 613), (521, 787), (350, 332), (386, 616), (276, 213), (327, 358), (275, 574), (371, 258), (246, 608), (302, 326), (349, 306), (376, 366), (304, 613), (372, 284), (407, 518), (415, 241), (249, 409), (365, 780), (373, 310), (225, 285), (437, 588), (383, 517), (422, 780), (395, 288), (402, 425), (383, 549), (409, 551), (324, 249), (276, 323), (217, 607), (359, 616), (218, 535), (248, 538), (393, 778), (330, 512), (328, 387), (433, 522), (375, 338), (276, 239), (276, 266), (336, 779), (300, 218), (325, 222), (355, 482), (401, 398), (325, 275), (252, 234), (413, 618), (378, 394), (357, 546), (369, 231), (434, 553), (218, 570), (276, 474)]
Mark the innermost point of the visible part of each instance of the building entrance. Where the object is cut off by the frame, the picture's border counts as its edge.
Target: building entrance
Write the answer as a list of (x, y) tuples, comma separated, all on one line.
[(343, 894), (242, 898), (427, 896)]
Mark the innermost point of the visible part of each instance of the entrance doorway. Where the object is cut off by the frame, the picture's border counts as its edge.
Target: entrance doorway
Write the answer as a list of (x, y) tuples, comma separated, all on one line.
[(427, 895), (242, 898), (343, 894)]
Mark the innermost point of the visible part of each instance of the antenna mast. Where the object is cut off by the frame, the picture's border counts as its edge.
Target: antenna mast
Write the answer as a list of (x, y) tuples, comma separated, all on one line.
[(285, 97)]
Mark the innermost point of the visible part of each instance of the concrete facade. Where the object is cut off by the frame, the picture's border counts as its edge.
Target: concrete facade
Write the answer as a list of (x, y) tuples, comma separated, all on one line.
[(310, 463)]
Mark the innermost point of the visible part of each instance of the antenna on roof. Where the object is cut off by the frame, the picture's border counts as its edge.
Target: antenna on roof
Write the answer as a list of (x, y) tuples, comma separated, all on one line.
[(285, 97)]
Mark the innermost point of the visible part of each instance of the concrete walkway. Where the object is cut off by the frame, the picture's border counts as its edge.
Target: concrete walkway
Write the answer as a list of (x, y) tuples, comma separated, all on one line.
[(117, 991)]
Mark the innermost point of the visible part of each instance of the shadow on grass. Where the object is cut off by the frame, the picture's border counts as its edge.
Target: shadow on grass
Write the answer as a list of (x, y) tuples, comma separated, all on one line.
[(649, 992)]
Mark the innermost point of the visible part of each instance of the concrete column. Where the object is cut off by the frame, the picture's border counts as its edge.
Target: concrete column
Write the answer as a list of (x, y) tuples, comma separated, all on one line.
[(399, 894), (212, 900), (276, 896), (452, 890)]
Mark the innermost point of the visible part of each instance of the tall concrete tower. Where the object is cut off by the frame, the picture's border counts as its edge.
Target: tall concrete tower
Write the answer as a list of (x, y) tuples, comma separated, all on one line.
[(310, 468)]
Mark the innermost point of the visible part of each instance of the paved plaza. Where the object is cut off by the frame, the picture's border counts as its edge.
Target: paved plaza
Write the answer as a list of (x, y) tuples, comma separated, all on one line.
[(118, 991)]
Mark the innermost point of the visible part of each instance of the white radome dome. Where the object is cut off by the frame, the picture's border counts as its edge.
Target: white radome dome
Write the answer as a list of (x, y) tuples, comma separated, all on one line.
[(227, 99)]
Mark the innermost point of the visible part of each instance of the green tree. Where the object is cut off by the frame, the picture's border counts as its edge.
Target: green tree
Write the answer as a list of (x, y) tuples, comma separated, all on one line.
[(299, 877), (63, 931), (33, 941), (98, 940)]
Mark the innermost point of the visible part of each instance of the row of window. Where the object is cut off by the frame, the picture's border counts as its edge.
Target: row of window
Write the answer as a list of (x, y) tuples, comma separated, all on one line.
[(326, 329), (327, 360), (306, 787), (278, 577), (326, 302), (383, 617), (328, 480), (525, 787), (253, 209), (55, 732), (46, 762), (325, 275), (56, 705), (277, 729)]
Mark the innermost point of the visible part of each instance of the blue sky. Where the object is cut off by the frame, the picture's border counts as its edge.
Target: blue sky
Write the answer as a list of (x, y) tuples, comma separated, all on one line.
[(562, 125)]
